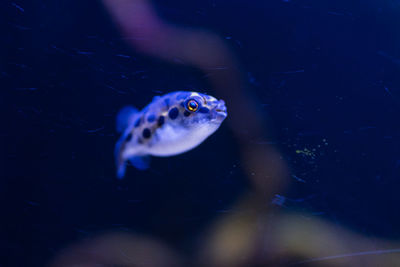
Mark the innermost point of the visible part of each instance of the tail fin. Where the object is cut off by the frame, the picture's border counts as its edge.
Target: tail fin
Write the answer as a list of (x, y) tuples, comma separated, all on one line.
[(125, 117), (140, 162), (119, 161)]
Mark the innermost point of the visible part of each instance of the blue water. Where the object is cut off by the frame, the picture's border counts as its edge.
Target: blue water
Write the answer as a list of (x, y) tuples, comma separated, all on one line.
[(325, 76)]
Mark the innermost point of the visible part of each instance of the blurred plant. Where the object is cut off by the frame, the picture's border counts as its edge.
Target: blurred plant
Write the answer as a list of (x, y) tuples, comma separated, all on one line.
[(251, 236)]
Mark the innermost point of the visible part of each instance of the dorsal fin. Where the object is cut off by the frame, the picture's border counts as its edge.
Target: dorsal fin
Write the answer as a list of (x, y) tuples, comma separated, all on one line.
[(126, 117)]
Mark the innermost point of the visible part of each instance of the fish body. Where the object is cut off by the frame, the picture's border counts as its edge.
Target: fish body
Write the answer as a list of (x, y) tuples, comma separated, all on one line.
[(170, 125)]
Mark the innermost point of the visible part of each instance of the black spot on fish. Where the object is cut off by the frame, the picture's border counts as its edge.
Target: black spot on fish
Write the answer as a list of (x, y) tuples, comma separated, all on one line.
[(182, 104), (151, 118), (146, 133), (138, 122), (161, 121), (204, 110), (128, 137), (186, 113), (173, 113)]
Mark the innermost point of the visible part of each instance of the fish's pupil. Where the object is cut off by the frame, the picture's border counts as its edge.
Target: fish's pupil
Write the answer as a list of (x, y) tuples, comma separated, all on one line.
[(192, 105)]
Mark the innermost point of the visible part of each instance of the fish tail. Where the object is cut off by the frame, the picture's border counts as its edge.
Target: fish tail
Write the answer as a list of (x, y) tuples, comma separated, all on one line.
[(141, 162), (119, 160), (125, 118), (121, 170)]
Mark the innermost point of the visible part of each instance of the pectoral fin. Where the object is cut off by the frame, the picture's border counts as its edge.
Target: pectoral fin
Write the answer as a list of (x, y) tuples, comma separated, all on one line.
[(140, 162)]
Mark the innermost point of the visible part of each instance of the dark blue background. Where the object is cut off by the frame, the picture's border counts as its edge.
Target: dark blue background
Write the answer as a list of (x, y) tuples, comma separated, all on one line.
[(323, 70)]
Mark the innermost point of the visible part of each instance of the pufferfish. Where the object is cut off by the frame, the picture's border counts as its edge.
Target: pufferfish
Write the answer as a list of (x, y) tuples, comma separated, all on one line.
[(171, 124)]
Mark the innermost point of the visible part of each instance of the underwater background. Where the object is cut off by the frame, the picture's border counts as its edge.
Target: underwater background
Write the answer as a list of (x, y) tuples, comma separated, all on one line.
[(318, 98)]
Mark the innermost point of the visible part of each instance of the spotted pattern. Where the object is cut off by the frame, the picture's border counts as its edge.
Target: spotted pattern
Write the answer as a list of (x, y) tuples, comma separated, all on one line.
[(204, 110), (161, 121), (146, 133), (128, 137), (151, 118), (173, 113)]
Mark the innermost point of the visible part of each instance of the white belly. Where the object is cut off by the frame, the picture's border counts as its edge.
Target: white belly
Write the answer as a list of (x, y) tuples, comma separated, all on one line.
[(169, 140)]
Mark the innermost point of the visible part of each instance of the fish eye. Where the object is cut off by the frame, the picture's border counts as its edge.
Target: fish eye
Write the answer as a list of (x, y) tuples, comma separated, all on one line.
[(192, 105)]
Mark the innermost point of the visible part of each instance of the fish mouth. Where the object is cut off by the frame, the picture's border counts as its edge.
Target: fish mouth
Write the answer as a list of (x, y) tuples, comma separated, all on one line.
[(220, 110)]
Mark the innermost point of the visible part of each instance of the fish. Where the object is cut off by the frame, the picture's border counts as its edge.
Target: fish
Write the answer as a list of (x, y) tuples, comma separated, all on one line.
[(171, 124)]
